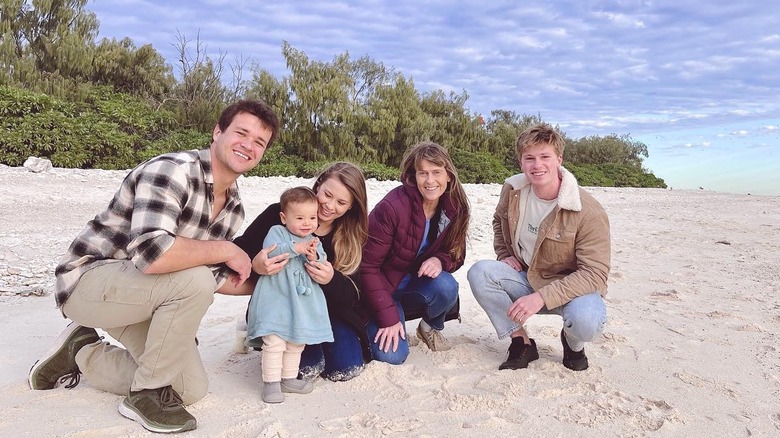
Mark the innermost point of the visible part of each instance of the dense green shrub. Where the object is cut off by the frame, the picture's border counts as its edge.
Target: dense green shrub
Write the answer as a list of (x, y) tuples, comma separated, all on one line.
[(613, 175), (479, 167), (105, 130), (380, 172), (275, 163), (182, 140)]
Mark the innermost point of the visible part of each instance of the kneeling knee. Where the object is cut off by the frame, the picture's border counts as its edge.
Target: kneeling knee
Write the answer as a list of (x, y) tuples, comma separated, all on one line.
[(585, 329), (197, 282), (393, 358)]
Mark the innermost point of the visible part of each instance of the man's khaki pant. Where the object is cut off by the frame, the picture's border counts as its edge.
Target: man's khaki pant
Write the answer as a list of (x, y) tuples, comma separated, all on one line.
[(155, 317)]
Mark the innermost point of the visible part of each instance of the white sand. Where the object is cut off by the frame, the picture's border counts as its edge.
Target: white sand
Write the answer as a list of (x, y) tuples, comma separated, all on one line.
[(690, 349)]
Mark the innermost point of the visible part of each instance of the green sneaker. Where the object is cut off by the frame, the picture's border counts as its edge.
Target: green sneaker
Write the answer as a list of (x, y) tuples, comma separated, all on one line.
[(59, 363), (158, 410)]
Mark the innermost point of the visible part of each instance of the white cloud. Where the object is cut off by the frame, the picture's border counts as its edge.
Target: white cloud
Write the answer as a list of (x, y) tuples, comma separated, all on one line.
[(621, 20)]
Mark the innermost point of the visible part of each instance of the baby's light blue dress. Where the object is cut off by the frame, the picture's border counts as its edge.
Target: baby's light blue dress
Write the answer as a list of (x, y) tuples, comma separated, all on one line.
[(289, 304)]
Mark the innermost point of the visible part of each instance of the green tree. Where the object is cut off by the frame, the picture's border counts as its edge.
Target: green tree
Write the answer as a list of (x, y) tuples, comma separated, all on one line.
[(503, 127), (454, 127), (139, 71), (393, 120), (320, 109), (199, 97), (275, 92), (613, 148)]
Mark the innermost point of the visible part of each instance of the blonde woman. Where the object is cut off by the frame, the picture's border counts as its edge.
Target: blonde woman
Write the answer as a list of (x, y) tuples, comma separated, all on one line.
[(342, 230)]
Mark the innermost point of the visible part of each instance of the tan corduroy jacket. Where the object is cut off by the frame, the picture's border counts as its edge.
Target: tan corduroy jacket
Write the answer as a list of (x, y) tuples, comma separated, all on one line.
[(572, 252)]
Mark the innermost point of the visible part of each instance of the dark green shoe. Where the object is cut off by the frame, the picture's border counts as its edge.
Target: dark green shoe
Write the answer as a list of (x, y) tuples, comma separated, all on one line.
[(159, 410), (59, 363)]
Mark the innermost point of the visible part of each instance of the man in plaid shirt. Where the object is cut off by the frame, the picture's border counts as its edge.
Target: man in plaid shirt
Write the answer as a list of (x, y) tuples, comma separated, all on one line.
[(145, 271)]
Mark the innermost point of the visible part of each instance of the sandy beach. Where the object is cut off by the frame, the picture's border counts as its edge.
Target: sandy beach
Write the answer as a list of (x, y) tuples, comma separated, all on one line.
[(691, 346)]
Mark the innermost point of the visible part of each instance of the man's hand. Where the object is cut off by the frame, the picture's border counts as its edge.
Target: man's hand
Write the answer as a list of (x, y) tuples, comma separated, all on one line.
[(430, 268), (264, 265), (524, 307), (513, 262), (387, 336), (239, 262)]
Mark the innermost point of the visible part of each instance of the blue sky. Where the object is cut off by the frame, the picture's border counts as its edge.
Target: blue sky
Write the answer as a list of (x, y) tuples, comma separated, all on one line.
[(696, 82)]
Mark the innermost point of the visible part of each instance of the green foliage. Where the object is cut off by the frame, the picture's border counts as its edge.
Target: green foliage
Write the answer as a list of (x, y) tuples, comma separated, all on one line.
[(479, 167), (613, 148), (503, 127), (380, 172), (112, 105), (106, 130), (613, 175), (182, 140), (127, 69), (276, 163)]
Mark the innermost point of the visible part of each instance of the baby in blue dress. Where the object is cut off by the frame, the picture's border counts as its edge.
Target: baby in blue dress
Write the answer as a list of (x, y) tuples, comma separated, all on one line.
[(288, 309)]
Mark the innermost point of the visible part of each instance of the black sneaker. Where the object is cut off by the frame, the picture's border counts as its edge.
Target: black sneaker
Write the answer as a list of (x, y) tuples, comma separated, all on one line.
[(159, 410), (520, 355), (573, 360), (59, 363)]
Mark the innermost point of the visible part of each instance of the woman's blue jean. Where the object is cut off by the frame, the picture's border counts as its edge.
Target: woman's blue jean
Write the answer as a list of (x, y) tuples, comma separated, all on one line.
[(339, 360), (496, 286), (435, 296)]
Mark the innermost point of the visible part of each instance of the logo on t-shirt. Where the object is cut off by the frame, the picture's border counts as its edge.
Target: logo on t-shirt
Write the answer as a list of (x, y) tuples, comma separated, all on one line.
[(533, 230)]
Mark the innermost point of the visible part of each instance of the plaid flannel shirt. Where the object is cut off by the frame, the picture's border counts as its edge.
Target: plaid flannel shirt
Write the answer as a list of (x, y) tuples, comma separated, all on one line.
[(167, 196)]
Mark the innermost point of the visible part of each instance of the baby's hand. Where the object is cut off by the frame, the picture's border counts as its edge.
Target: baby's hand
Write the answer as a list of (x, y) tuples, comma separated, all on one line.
[(311, 249), (301, 248)]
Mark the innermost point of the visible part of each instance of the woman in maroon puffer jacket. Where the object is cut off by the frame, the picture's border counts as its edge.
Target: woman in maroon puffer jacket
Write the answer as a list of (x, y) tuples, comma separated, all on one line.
[(417, 238)]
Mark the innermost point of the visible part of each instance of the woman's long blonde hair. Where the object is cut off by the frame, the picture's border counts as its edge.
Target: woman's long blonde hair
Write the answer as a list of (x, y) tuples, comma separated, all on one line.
[(455, 238), (351, 229)]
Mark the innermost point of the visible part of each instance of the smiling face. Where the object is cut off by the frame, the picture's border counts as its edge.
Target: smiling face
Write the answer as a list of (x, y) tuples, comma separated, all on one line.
[(300, 218), (540, 165), (334, 199), (240, 146), (431, 181)]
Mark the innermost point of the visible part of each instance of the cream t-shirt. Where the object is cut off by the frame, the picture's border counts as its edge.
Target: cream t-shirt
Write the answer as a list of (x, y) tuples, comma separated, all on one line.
[(535, 211)]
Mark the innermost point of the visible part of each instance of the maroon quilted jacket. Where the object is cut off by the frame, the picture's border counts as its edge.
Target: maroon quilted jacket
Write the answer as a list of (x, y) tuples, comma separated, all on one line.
[(395, 231)]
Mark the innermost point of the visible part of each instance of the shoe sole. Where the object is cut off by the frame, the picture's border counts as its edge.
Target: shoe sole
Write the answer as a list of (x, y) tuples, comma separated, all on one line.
[(577, 365), (306, 390), (55, 349), (510, 367), (131, 413)]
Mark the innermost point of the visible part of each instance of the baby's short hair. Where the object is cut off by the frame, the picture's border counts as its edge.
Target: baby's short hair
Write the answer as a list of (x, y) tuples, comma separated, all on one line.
[(297, 195)]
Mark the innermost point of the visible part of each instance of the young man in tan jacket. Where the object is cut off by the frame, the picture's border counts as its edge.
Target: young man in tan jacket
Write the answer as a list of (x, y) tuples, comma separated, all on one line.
[(552, 244)]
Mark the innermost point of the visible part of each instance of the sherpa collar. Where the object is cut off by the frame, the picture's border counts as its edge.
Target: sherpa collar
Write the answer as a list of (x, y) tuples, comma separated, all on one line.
[(568, 195)]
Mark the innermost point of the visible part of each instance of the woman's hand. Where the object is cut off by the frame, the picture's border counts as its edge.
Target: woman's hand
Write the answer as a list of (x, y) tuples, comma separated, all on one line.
[(320, 272), (430, 268), (513, 262), (264, 265), (387, 336)]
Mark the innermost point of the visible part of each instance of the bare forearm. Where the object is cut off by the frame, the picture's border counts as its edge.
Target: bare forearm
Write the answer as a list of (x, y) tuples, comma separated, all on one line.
[(187, 253)]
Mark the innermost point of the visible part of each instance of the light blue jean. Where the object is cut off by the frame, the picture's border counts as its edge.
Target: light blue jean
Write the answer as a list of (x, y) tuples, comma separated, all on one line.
[(496, 286)]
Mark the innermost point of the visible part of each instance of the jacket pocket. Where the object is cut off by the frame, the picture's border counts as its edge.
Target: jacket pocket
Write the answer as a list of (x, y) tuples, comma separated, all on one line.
[(557, 249)]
